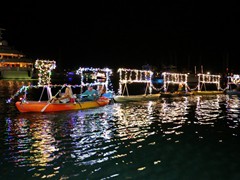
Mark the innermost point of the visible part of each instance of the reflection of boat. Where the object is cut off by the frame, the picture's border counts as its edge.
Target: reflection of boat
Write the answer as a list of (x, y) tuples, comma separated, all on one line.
[(45, 106), (143, 97), (13, 64), (175, 94)]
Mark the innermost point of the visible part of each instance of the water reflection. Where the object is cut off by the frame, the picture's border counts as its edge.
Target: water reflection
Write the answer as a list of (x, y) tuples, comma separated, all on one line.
[(173, 115), (134, 120), (31, 141), (208, 109), (120, 140), (233, 111), (174, 110), (90, 135)]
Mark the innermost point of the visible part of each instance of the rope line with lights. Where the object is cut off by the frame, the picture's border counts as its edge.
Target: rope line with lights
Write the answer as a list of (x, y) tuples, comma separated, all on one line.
[(24, 89), (157, 89)]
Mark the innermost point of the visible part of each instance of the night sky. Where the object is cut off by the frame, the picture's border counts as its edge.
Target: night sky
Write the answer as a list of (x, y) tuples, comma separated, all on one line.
[(117, 33)]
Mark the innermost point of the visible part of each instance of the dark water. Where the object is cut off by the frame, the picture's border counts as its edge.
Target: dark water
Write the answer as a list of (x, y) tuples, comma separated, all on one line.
[(181, 138)]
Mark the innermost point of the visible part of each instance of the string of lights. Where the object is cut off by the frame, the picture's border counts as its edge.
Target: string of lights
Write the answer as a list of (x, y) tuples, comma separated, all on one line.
[(25, 89), (95, 76), (234, 79), (127, 76), (45, 68), (208, 79), (174, 78)]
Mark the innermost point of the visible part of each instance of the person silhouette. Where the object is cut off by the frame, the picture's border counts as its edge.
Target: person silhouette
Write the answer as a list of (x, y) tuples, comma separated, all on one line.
[(90, 94), (65, 97)]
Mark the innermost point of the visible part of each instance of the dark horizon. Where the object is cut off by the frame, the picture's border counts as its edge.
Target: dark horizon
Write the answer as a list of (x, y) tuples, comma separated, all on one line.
[(125, 34)]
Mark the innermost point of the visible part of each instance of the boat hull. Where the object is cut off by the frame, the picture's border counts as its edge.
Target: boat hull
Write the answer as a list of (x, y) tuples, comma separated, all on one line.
[(175, 94), (136, 98), (207, 92), (44, 106)]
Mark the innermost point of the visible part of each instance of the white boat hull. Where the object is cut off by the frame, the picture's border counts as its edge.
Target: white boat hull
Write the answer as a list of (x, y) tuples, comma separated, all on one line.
[(136, 98)]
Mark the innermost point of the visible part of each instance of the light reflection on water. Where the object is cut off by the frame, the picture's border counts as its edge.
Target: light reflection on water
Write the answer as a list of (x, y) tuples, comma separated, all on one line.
[(233, 111), (152, 139)]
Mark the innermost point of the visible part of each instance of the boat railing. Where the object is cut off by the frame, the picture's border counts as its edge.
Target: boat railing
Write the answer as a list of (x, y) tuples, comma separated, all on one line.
[(179, 79), (129, 76), (92, 76)]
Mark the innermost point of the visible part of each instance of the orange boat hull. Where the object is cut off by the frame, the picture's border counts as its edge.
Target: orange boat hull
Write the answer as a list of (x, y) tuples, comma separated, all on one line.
[(44, 106)]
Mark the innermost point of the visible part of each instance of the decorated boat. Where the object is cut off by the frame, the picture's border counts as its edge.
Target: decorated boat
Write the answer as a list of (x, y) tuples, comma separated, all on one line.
[(51, 104), (175, 85), (135, 76), (233, 83), (206, 79)]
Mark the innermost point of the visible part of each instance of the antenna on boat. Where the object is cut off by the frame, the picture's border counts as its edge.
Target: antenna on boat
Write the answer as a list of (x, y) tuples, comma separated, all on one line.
[(1, 29), (202, 69)]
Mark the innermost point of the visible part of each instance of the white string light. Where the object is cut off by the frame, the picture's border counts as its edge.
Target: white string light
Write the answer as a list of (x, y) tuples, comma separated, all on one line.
[(127, 76), (45, 68), (234, 79), (95, 73), (174, 78), (208, 79)]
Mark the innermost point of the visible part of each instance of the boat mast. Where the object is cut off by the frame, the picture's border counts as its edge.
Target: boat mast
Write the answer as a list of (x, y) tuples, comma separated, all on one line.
[(1, 38), (1, 29), (1, 33)]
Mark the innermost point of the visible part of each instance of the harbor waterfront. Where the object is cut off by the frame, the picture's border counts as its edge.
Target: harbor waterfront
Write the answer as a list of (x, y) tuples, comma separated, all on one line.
[(13, 63), (189, 137)]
